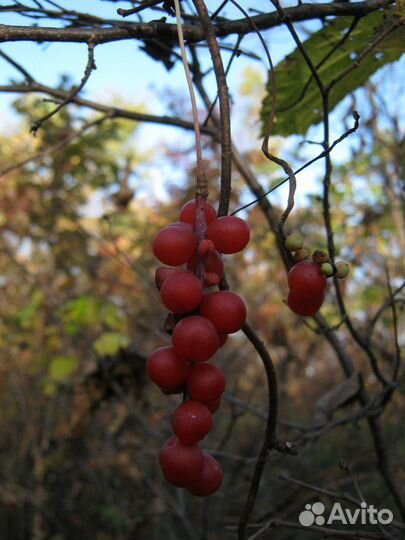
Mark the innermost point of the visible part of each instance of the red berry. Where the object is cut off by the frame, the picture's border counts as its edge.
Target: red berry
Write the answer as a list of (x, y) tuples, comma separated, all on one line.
[(211, 279), (175, 244), (213, 263), (187, 213), (230, 234), (210, 479), (195, 338), (180, 463), (223, 338), (162, 273), (166, 369), (205, 246), (205, 382), (213, 405), (191, 422), (306, 279), (225, 309), (304, 306), (181, 292)]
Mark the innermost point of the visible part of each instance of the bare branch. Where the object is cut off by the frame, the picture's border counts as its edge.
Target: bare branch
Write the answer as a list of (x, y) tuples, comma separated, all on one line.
[(192, 33), (224, 109), (18, 66), (54, 148), (75, 91), (113, 112)]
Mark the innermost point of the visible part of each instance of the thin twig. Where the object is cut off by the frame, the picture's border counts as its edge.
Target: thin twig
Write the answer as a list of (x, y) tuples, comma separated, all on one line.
[(307, 164), (87, 72), (54, 148), (292, 185), (399, 22), (202, 182), (235, 54), (137, 9), (395, 329), (18, 66), (113, 112)]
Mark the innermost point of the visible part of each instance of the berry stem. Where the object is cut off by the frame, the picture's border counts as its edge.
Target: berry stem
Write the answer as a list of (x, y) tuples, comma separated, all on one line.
[(202, 182), (200, 228)]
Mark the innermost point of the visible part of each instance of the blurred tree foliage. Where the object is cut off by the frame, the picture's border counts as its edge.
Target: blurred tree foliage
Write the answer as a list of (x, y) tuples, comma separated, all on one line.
[(81, 426)]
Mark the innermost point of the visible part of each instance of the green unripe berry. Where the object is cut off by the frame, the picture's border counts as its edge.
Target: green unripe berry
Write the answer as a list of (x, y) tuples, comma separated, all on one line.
[(320, 256), (300, 255), (342, 269), (327, 269), (294, 242)]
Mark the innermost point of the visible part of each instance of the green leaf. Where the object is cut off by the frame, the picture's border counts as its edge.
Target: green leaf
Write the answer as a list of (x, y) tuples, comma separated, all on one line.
[(82, 311), (111, 316), (298, 99), (26, 316), (62, 368), (110, 342)]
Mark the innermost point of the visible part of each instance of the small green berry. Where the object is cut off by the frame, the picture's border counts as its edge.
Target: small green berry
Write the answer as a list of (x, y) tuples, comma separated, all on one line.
[(320, 256), (300, 255), (342, 269), (327, 269), (294, 242)]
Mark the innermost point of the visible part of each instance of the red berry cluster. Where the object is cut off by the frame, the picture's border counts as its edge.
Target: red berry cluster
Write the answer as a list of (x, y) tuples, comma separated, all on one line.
[(202, 320), (307, 285)]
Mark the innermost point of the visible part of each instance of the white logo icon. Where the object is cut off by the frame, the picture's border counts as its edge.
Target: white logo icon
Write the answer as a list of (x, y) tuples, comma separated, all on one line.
[(312, 514), (365, 514)]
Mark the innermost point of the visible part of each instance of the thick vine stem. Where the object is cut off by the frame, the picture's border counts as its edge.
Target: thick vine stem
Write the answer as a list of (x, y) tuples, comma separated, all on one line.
[(270, 441), (225, 122), (199, 230)]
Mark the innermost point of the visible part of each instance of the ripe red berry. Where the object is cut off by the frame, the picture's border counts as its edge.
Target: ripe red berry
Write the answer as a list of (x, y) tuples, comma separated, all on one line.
[(225, 309), (306, 279), (205, 246), (192, 421), (213, 263), (230, 234), (180, 463), (213, 405), (195, 338), (213, 267), (166, 369), (162, 273), (205, 382), (187, 213), (304, 306), (181, 292), (175, 244), (211, 279), (210, 479), (223, 338)]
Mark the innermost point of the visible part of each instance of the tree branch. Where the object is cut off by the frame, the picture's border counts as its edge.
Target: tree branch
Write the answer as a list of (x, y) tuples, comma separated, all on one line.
[(224, 109), (192, 33)]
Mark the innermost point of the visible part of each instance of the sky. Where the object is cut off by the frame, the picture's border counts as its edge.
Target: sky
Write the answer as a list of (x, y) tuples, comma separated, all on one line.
[(122, 73), (125, 73)]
